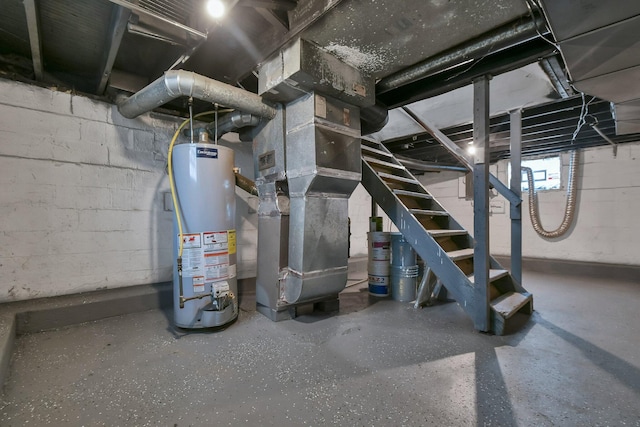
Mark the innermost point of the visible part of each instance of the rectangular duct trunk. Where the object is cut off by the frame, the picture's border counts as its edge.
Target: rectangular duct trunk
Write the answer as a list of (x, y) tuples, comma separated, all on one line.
[(307, 164), (323, 169), (273, 215)]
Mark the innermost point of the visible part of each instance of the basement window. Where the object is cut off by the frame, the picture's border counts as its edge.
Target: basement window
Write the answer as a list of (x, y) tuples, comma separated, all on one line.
[(546, 173)]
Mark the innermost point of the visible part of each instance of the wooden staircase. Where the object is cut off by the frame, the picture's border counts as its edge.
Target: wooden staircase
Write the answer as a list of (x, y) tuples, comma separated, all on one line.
[(440, 241)]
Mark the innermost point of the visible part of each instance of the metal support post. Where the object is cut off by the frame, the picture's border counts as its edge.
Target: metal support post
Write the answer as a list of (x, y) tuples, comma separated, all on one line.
[(516, 186), (481, 257), (459, 153)]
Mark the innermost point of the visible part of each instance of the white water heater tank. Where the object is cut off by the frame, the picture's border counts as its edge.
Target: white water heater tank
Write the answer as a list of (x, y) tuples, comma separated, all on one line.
[(205, 188)]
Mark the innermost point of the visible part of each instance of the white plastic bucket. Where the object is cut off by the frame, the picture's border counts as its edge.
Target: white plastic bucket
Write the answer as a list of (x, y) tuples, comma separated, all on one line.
[(379, 244), (379, 268), (379, 285)]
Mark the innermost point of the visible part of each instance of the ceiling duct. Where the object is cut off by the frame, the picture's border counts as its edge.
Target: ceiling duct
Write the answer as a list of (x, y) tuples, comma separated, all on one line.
[(178, 83), (600, 43)]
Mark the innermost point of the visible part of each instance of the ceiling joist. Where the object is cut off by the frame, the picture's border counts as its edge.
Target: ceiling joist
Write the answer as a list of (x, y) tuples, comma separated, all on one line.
[(119, 19), (35, 40)]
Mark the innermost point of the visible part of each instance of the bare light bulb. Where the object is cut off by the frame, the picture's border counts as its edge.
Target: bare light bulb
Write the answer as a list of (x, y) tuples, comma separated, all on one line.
[(215, 8), (471, 150)]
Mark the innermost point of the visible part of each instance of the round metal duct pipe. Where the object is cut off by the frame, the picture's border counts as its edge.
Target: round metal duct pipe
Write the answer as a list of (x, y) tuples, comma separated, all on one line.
[(177, 83)]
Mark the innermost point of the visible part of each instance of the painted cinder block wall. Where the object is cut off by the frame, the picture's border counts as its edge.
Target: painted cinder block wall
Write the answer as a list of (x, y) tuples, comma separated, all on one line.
[(82, 205), (82, 199), (606, 225)]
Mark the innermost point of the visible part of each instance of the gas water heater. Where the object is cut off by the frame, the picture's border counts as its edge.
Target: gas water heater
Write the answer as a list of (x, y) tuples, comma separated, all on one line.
[(205, 294)]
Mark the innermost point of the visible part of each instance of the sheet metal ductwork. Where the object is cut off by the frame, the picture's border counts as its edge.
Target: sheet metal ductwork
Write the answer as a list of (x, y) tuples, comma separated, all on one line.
[(178, 83), (251, 107), (373, 118), (231, 122), (323, 169), (307, 165), (307, 160), (599, 44)]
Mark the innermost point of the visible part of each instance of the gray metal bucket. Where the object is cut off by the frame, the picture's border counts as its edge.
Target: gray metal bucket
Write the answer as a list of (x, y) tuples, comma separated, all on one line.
[(404, 281), (402, 254)]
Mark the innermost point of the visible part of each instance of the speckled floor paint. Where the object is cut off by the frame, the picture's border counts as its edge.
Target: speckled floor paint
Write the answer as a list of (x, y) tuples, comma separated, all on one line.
[(377, 363)]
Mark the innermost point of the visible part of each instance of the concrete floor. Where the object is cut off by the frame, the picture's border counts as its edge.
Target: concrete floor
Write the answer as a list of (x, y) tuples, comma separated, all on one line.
[(377, 362)]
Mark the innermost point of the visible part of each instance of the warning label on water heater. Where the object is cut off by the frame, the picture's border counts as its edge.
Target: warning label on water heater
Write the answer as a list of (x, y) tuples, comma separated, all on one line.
[(198, 284), (206, 254), (192, 264)]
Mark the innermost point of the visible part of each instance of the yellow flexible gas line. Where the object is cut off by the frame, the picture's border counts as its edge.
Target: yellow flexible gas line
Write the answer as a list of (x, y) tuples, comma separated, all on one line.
[(172, 185)]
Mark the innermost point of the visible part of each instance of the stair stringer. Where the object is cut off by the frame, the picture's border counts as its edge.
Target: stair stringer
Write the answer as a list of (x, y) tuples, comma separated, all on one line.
[(454, 280)]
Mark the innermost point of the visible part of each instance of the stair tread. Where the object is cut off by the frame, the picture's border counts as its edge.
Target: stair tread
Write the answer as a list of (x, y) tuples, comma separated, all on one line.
[(398, 178), (460, 254), (446, 233), (508, 304), (412, 194), (376, 151), (383, 163), (494, 274), (428, 212)]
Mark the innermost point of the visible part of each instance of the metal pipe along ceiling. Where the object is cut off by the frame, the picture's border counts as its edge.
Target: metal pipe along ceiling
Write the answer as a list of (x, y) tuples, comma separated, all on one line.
[(508, 35), (177, 83)]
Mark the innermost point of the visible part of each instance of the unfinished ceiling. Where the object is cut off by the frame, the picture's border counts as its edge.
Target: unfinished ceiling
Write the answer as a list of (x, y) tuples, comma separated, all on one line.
[(416, 52), (600, 42)]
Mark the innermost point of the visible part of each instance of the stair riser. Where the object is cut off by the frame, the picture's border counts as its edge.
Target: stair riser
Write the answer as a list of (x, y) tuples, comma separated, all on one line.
[(390, 170), (415, 203), (453, 243), (435, 222)]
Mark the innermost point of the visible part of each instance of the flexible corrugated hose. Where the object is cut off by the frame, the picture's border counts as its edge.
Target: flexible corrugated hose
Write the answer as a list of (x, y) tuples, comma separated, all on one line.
[(570, 208)]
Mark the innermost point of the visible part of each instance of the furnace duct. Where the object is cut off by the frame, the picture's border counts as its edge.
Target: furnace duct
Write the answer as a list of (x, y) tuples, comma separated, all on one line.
[(308, 162), (178, 83), (307, 157)]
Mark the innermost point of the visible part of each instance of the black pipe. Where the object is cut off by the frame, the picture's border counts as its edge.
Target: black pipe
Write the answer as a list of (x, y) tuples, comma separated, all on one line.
[(373, 118), (513, 33), (502, 62)]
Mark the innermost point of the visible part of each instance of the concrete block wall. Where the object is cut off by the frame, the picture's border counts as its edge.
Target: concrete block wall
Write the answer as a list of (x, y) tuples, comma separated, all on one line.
[(605, 229), (82, 200), (359, 213)]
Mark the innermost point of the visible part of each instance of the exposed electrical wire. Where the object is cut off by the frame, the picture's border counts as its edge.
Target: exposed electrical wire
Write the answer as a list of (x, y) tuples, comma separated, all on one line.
[(584, 112), (537, 6)]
